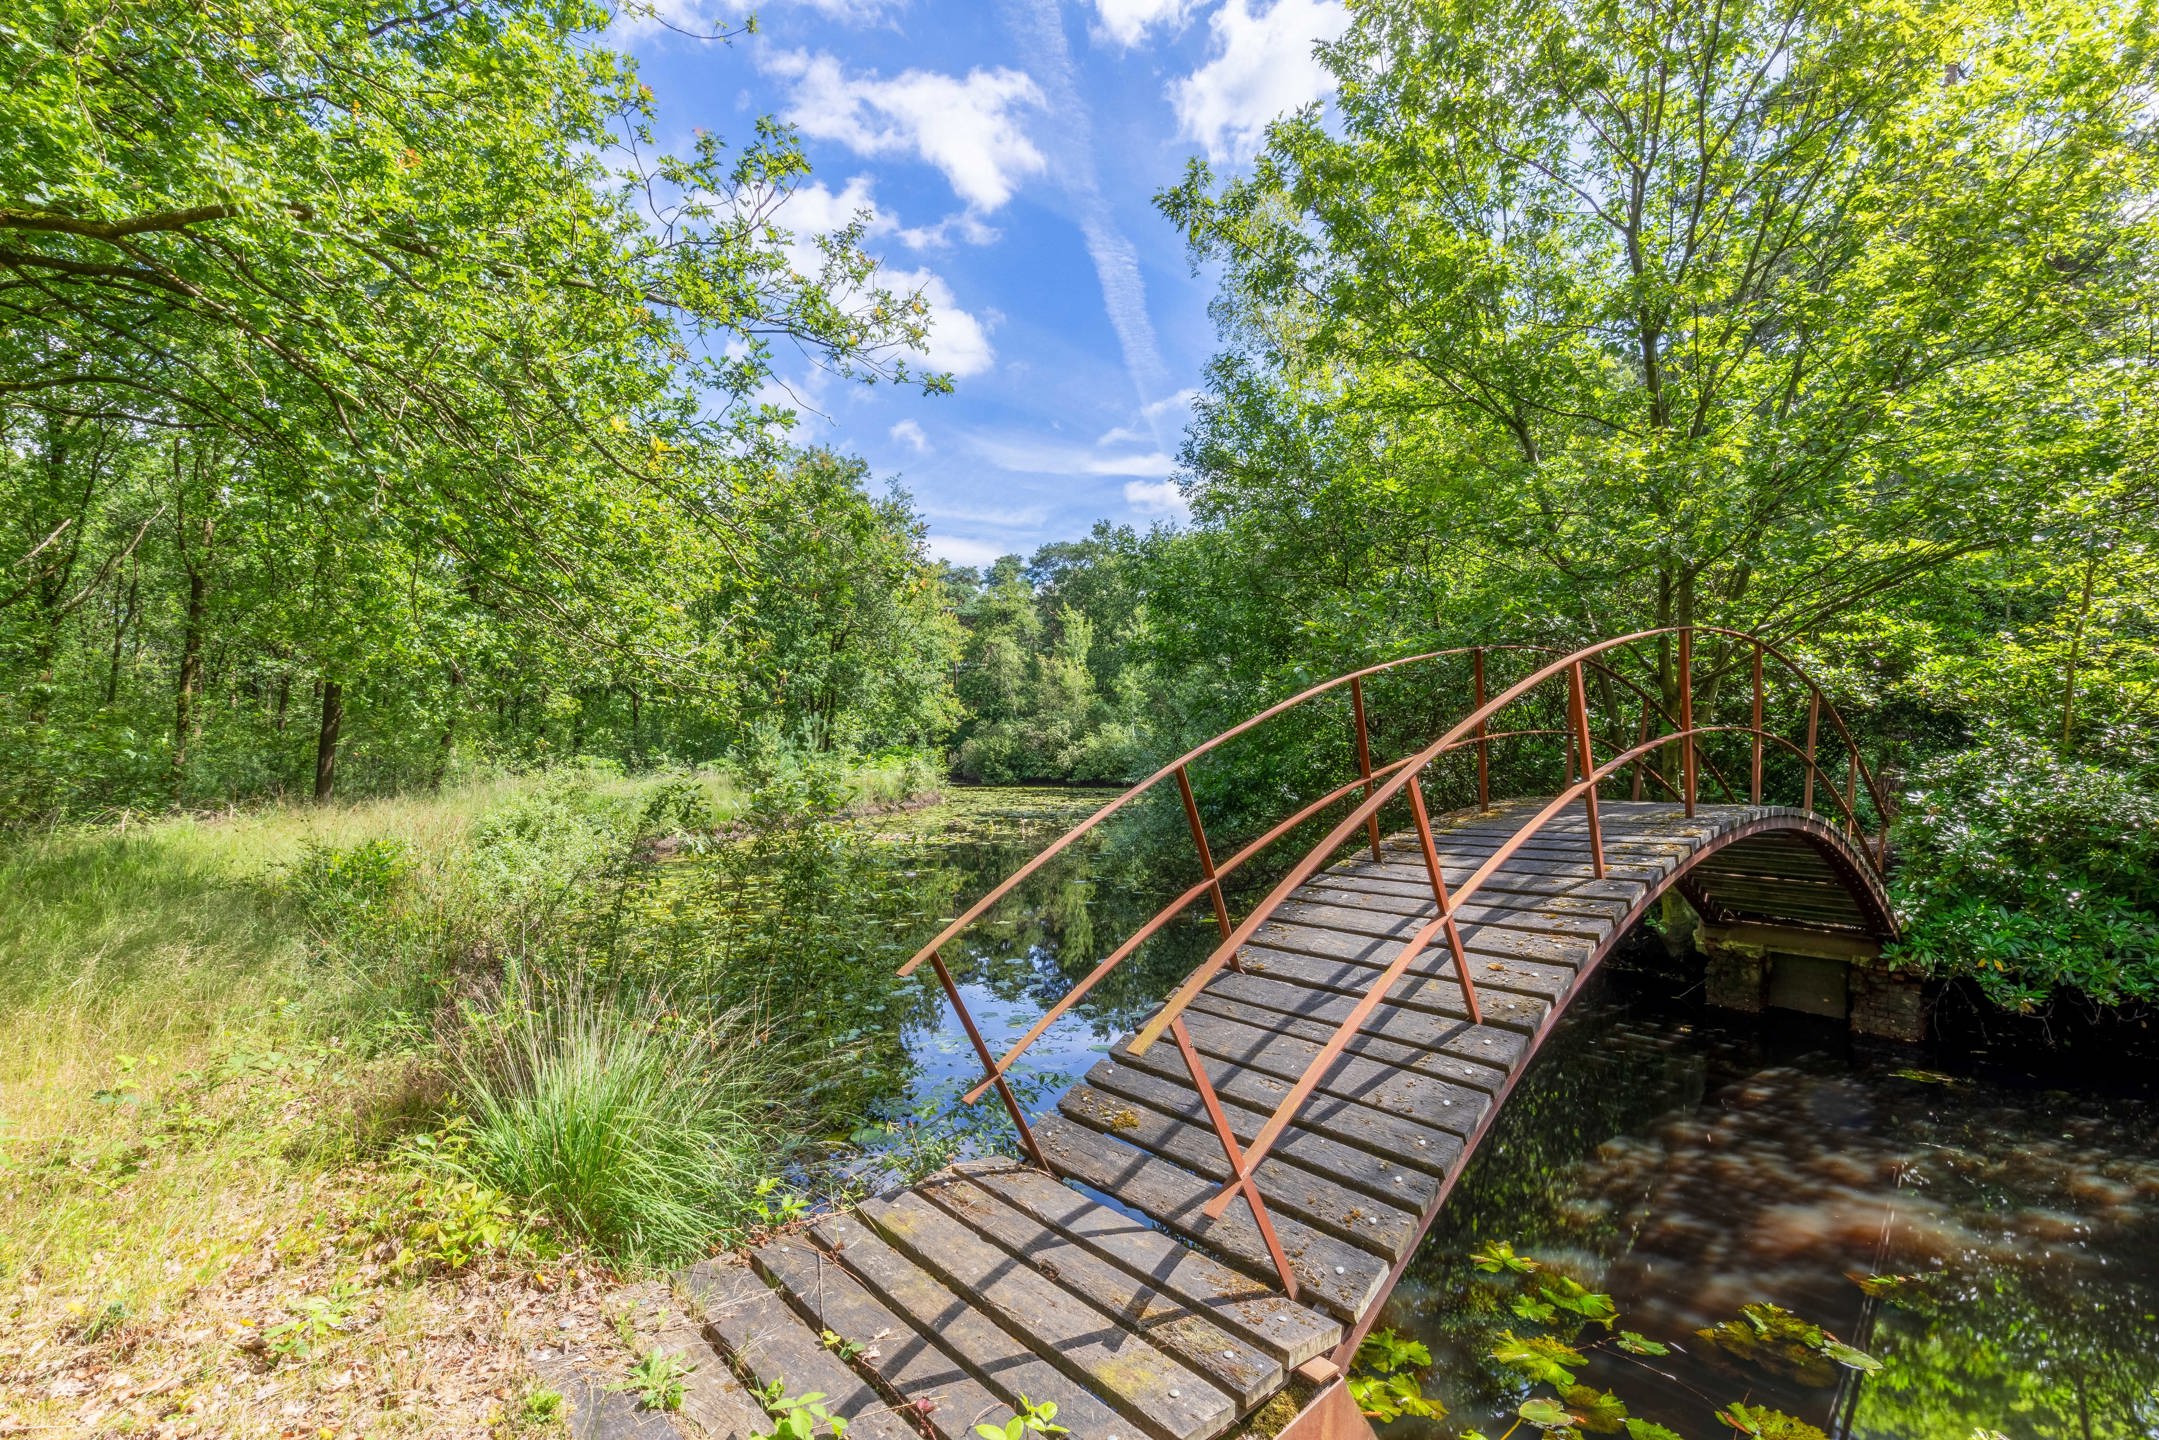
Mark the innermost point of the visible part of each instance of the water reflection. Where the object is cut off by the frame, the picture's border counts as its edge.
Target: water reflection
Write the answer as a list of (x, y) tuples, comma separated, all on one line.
[(1996, 1247)]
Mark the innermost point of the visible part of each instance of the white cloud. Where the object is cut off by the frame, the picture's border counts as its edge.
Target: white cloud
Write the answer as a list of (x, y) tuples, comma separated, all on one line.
[(1028, 456), (963, 551), (1262, 67), (968, 128), (1127, 21), (1157, 497), (1153, 412), (908, 433), (958, 340), (817, 209)]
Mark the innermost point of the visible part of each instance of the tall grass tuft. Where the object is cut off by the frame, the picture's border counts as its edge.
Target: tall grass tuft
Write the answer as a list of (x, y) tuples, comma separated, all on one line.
[(643, 1132)]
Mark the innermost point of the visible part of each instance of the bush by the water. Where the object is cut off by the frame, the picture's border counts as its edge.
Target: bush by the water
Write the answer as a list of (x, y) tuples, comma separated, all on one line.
[(2031, 874), (642, 1128)]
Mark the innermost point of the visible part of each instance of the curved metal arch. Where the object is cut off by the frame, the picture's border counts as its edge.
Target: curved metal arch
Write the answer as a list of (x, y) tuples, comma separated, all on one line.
[(1783, 822), (1401, 779)]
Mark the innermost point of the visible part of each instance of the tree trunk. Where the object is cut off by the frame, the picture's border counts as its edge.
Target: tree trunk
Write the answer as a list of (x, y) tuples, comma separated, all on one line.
[(119, 633), (2076, 644), (183, 705), (333, 721), (448, 741)]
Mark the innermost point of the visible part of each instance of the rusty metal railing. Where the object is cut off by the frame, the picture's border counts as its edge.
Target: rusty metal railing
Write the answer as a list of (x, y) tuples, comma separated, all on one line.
[(1381, 785)]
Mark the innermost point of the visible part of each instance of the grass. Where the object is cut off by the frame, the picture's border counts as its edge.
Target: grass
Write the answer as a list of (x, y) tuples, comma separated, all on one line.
[(223, 1042), (645, 1131)]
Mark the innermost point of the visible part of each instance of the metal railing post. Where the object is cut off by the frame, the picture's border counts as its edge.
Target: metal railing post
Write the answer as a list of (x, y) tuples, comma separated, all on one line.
[(1364, 759), (1248, 1184), (1754, 791), (989, 1062), (1206, 856), (1686, 716), (1484, 746), (1439, 897), (1814, 725), (1588, 761), (1851, 791), (1641, 765)]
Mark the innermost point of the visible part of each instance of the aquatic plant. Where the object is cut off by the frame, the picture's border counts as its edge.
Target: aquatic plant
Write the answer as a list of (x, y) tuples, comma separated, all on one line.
[(1554, 1356), (1383, 1381)]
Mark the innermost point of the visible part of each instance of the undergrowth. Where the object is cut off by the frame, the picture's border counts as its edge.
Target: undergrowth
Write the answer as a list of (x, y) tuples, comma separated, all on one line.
[(405, 1032)]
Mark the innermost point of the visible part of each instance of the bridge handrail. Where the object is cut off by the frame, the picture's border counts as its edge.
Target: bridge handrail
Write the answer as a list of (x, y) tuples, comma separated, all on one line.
[(1381, 786), (1005, 887), (1255, 1151)]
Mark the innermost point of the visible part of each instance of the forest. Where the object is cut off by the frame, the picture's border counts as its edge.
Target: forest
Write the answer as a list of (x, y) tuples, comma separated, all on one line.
[(401, 545)]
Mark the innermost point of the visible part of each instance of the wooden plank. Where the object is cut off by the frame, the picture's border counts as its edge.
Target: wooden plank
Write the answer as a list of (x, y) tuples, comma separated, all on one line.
[(1387, 897), (1427, 1099), (1227, 1361), (1371, 1224), (1164, 1398), (1370, 1042), (1407, 873), (1309, 957), (1314, 906), (1384, 1133), (712, 1397), (1495, 1049), (1489, 970), (1497, 1045), (1289, 1332), (1315, 939), (773, 1344), (1001, 1362), (936, 1384), (1377, 1175), (1338, 1278)]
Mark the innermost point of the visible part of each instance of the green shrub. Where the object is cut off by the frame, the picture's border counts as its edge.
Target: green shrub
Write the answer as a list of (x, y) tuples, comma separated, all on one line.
[(2031, 873), (644, 1133)]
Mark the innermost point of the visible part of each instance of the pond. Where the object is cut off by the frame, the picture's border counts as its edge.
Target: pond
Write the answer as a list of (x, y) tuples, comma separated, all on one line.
[(1992, 1240), (1991, 1237)]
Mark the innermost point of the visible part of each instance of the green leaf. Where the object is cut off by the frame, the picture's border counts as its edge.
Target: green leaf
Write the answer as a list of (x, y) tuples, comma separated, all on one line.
[(1498, 1256), (1849, 1357), (1640, 1429), (1598, 1410), (1546, 1414), (1766, 1424), (1539, 1357), (1635, 1343)]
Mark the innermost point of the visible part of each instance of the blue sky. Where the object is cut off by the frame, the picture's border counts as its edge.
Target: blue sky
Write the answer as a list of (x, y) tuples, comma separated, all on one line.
[(1010, 150)]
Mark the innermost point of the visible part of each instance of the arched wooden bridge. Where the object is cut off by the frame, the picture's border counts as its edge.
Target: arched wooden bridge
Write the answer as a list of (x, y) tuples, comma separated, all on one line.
[(1230, 1196)]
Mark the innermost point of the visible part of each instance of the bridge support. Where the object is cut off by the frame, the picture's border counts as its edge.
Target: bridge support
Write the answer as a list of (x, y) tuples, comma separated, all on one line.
[(1756, 967)]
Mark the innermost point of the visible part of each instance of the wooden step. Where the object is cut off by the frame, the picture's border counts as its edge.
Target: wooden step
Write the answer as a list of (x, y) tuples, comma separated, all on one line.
[(1367, 1041), (936, 1384), (1413, 1094), (1290, 1332), (1338, 1277), (1158, 1393), (1380, 1132), (1380, 1226), (1377, 1175), (997, 1358), (773, 1344), (1227, 1361)]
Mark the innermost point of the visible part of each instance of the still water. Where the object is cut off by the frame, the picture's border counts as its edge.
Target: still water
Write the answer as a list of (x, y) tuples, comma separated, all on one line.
[(1990, 1236)]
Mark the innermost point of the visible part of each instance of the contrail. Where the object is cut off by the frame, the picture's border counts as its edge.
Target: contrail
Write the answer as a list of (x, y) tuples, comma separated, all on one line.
[(1040, 27)]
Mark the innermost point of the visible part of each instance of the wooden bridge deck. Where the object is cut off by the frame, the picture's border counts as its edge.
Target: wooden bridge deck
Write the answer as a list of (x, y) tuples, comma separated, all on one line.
[(992, 1281)]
